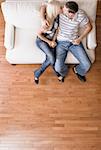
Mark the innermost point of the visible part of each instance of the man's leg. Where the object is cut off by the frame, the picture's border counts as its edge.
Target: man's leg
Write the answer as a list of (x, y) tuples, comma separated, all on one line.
[(79, 52)]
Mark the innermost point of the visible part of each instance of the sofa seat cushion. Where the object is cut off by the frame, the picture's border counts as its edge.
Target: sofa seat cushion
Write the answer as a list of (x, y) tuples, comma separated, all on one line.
[(25, 49)]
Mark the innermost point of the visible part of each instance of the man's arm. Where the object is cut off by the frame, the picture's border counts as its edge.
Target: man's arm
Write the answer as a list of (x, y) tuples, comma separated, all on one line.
[(87, 29), (43, 16), (43, 12)]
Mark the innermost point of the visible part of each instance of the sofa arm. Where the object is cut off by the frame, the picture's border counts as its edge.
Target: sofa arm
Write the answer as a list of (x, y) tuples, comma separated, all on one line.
[(91, 38), (9, 36)]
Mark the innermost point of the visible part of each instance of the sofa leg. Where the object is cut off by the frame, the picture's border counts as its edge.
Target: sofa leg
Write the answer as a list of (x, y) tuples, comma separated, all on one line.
[(13, 64)]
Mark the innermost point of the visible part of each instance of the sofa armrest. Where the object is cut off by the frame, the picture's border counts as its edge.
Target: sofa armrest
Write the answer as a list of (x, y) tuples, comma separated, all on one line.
[(91, 38), (9, 36)]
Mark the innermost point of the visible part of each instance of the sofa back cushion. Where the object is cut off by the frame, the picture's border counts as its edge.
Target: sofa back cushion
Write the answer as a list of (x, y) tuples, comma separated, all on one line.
[(22, 14), (26, 14)]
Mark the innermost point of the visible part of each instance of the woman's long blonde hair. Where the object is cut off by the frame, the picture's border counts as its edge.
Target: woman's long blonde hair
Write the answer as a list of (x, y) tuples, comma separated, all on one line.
[(52, 10)]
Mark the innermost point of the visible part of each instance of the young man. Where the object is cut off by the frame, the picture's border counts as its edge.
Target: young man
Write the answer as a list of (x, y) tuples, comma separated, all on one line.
[(68, 39)]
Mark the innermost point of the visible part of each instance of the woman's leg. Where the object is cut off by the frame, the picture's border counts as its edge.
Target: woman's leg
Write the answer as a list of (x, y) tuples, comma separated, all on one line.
[(50, 59), (46, 49), (43, 67)]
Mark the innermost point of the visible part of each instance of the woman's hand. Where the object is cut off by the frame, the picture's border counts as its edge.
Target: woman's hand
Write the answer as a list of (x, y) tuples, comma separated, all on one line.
[(52, 44)]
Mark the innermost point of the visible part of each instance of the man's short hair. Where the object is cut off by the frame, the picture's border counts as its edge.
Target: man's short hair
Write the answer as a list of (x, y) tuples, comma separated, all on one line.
[(73, 6)]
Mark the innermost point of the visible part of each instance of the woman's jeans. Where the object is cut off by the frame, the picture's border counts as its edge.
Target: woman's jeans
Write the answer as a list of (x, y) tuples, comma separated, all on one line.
[(50, 57), (78, 51)]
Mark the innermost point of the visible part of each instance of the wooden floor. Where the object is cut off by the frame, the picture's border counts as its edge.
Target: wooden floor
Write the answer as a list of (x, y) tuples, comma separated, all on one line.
[(50, 116)]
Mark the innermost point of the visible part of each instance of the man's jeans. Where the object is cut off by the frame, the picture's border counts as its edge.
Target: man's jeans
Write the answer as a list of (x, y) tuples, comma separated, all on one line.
[(50, 58), (78, 51)]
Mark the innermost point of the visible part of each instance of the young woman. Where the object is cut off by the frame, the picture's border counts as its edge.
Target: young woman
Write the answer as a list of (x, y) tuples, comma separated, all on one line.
[(46, 37)]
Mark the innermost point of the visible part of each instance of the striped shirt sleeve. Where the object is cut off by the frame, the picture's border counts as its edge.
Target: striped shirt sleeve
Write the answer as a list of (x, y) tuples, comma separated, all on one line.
[(83, 19)]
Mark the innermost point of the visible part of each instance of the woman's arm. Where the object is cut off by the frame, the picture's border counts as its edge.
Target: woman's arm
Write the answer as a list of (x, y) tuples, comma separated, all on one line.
[(43, 38), (55, 35), (51, 43)]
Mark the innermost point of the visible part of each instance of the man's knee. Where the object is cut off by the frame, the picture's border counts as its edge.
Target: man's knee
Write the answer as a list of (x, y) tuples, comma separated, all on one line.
[(57, 66), (87, 65)]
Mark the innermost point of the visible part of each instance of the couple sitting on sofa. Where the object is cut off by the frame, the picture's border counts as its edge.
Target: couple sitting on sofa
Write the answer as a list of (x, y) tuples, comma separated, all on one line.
[(58, 35)]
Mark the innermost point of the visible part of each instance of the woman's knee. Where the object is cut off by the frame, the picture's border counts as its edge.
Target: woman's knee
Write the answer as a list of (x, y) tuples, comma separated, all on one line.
[(40, 44)]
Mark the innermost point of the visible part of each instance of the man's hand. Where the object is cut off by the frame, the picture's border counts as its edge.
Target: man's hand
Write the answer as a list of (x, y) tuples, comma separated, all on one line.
[(77, 41), (87, 29), (45, 23)]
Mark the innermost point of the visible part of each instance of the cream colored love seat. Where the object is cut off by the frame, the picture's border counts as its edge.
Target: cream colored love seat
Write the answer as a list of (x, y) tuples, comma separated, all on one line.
[(22, 21)]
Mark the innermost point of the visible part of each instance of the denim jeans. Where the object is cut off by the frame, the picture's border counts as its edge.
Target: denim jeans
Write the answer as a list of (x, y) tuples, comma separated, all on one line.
[(62, 49), (50, 57)]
